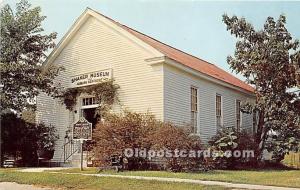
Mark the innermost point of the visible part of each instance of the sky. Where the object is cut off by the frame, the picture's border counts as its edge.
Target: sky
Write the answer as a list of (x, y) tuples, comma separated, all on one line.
[(192, 26)]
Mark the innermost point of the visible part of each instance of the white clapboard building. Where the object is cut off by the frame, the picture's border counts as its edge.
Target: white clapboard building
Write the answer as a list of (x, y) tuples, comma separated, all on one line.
[(153, 77)]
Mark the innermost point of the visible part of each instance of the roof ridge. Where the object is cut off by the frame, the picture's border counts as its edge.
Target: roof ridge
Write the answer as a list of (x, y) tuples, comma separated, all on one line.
[(166, 44), (141, 35)]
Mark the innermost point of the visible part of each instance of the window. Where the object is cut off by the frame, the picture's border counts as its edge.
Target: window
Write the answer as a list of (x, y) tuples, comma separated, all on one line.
[(88, 106), (254, 114), (88, 101), (238, 114), (194, 109), (219, 110)]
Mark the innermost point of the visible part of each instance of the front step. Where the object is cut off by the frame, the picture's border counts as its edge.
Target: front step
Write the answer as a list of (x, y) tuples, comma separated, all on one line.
[(66, 165), (75, 160)]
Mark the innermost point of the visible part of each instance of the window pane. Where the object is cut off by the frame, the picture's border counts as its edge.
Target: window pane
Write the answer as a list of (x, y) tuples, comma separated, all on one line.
[(194, 122), (218, 121), (88, 101)]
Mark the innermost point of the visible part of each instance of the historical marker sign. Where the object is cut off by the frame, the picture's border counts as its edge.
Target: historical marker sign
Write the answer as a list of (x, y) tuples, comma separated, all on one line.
[(82, 130)]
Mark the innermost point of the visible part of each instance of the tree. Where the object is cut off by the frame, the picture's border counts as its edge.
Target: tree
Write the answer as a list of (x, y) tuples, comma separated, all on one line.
[(28, 116), (23, 50), (269, 59)]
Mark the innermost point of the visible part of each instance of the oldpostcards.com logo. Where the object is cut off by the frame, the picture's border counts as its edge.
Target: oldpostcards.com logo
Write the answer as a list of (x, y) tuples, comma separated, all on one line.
[(176, 153)]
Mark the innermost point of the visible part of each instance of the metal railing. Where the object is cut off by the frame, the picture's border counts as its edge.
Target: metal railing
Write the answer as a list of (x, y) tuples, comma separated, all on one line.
[(69, 148)]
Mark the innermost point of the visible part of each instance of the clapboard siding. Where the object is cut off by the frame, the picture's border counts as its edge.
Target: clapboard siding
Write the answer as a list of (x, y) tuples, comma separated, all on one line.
[(51, 111), (177, 103), (95, 47)]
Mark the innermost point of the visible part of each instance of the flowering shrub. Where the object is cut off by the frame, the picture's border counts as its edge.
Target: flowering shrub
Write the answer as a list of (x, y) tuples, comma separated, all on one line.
[(171, 137), (136, 131), (118, 132)]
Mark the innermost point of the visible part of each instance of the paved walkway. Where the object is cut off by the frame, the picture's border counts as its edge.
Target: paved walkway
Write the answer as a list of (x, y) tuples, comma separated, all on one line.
[(165, 179), (16, 186), (43, 169)]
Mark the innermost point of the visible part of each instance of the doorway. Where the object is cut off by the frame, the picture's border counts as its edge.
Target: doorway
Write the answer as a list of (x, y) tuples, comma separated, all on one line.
[(90, 115), (88, 110)]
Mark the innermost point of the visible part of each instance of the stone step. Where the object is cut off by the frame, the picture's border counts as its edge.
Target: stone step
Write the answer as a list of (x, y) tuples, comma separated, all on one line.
[(77, 156), (66, 165), (75, 160), (76, 164)]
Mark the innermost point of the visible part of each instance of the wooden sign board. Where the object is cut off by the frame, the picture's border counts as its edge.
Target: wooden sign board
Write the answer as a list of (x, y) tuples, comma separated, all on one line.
[(90, 78), (82, 130)]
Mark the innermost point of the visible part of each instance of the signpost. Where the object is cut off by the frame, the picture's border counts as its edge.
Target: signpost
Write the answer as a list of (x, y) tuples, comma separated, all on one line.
[(82, 131)]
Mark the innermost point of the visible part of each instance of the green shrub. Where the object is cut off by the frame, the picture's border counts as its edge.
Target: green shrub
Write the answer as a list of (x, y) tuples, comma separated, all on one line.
[(46, 136), (228, 139), (21, 139)]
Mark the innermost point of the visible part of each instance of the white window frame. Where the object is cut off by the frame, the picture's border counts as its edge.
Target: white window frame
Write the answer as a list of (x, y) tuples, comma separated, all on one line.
[(222, 114), (254, 124), (195, 129), (82, 107)]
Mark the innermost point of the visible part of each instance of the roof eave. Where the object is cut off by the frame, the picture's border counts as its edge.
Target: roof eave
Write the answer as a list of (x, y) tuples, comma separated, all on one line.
[(108, 22), (199, 74)]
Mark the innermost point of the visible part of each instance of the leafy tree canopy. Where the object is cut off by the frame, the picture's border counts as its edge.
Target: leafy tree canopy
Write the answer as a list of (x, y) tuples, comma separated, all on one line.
[(270, 59), (23, 50)]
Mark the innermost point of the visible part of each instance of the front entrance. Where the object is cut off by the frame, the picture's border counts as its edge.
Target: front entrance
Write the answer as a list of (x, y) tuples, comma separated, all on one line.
[(88, 110), (90, 115)]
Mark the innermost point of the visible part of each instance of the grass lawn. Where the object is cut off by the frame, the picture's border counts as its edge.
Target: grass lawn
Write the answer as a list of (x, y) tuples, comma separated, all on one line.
[(288, 178), (74, 181), (292, 159)]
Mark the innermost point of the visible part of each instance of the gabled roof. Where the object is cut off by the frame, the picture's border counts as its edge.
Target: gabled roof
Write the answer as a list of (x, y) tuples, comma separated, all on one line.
[(170, 52), (187, 59)]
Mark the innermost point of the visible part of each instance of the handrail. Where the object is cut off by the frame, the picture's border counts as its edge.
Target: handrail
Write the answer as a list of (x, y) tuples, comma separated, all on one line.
[(69, 149)]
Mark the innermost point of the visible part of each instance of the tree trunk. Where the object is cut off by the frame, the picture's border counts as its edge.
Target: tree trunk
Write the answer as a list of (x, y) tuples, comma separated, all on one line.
[(260, 137)]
